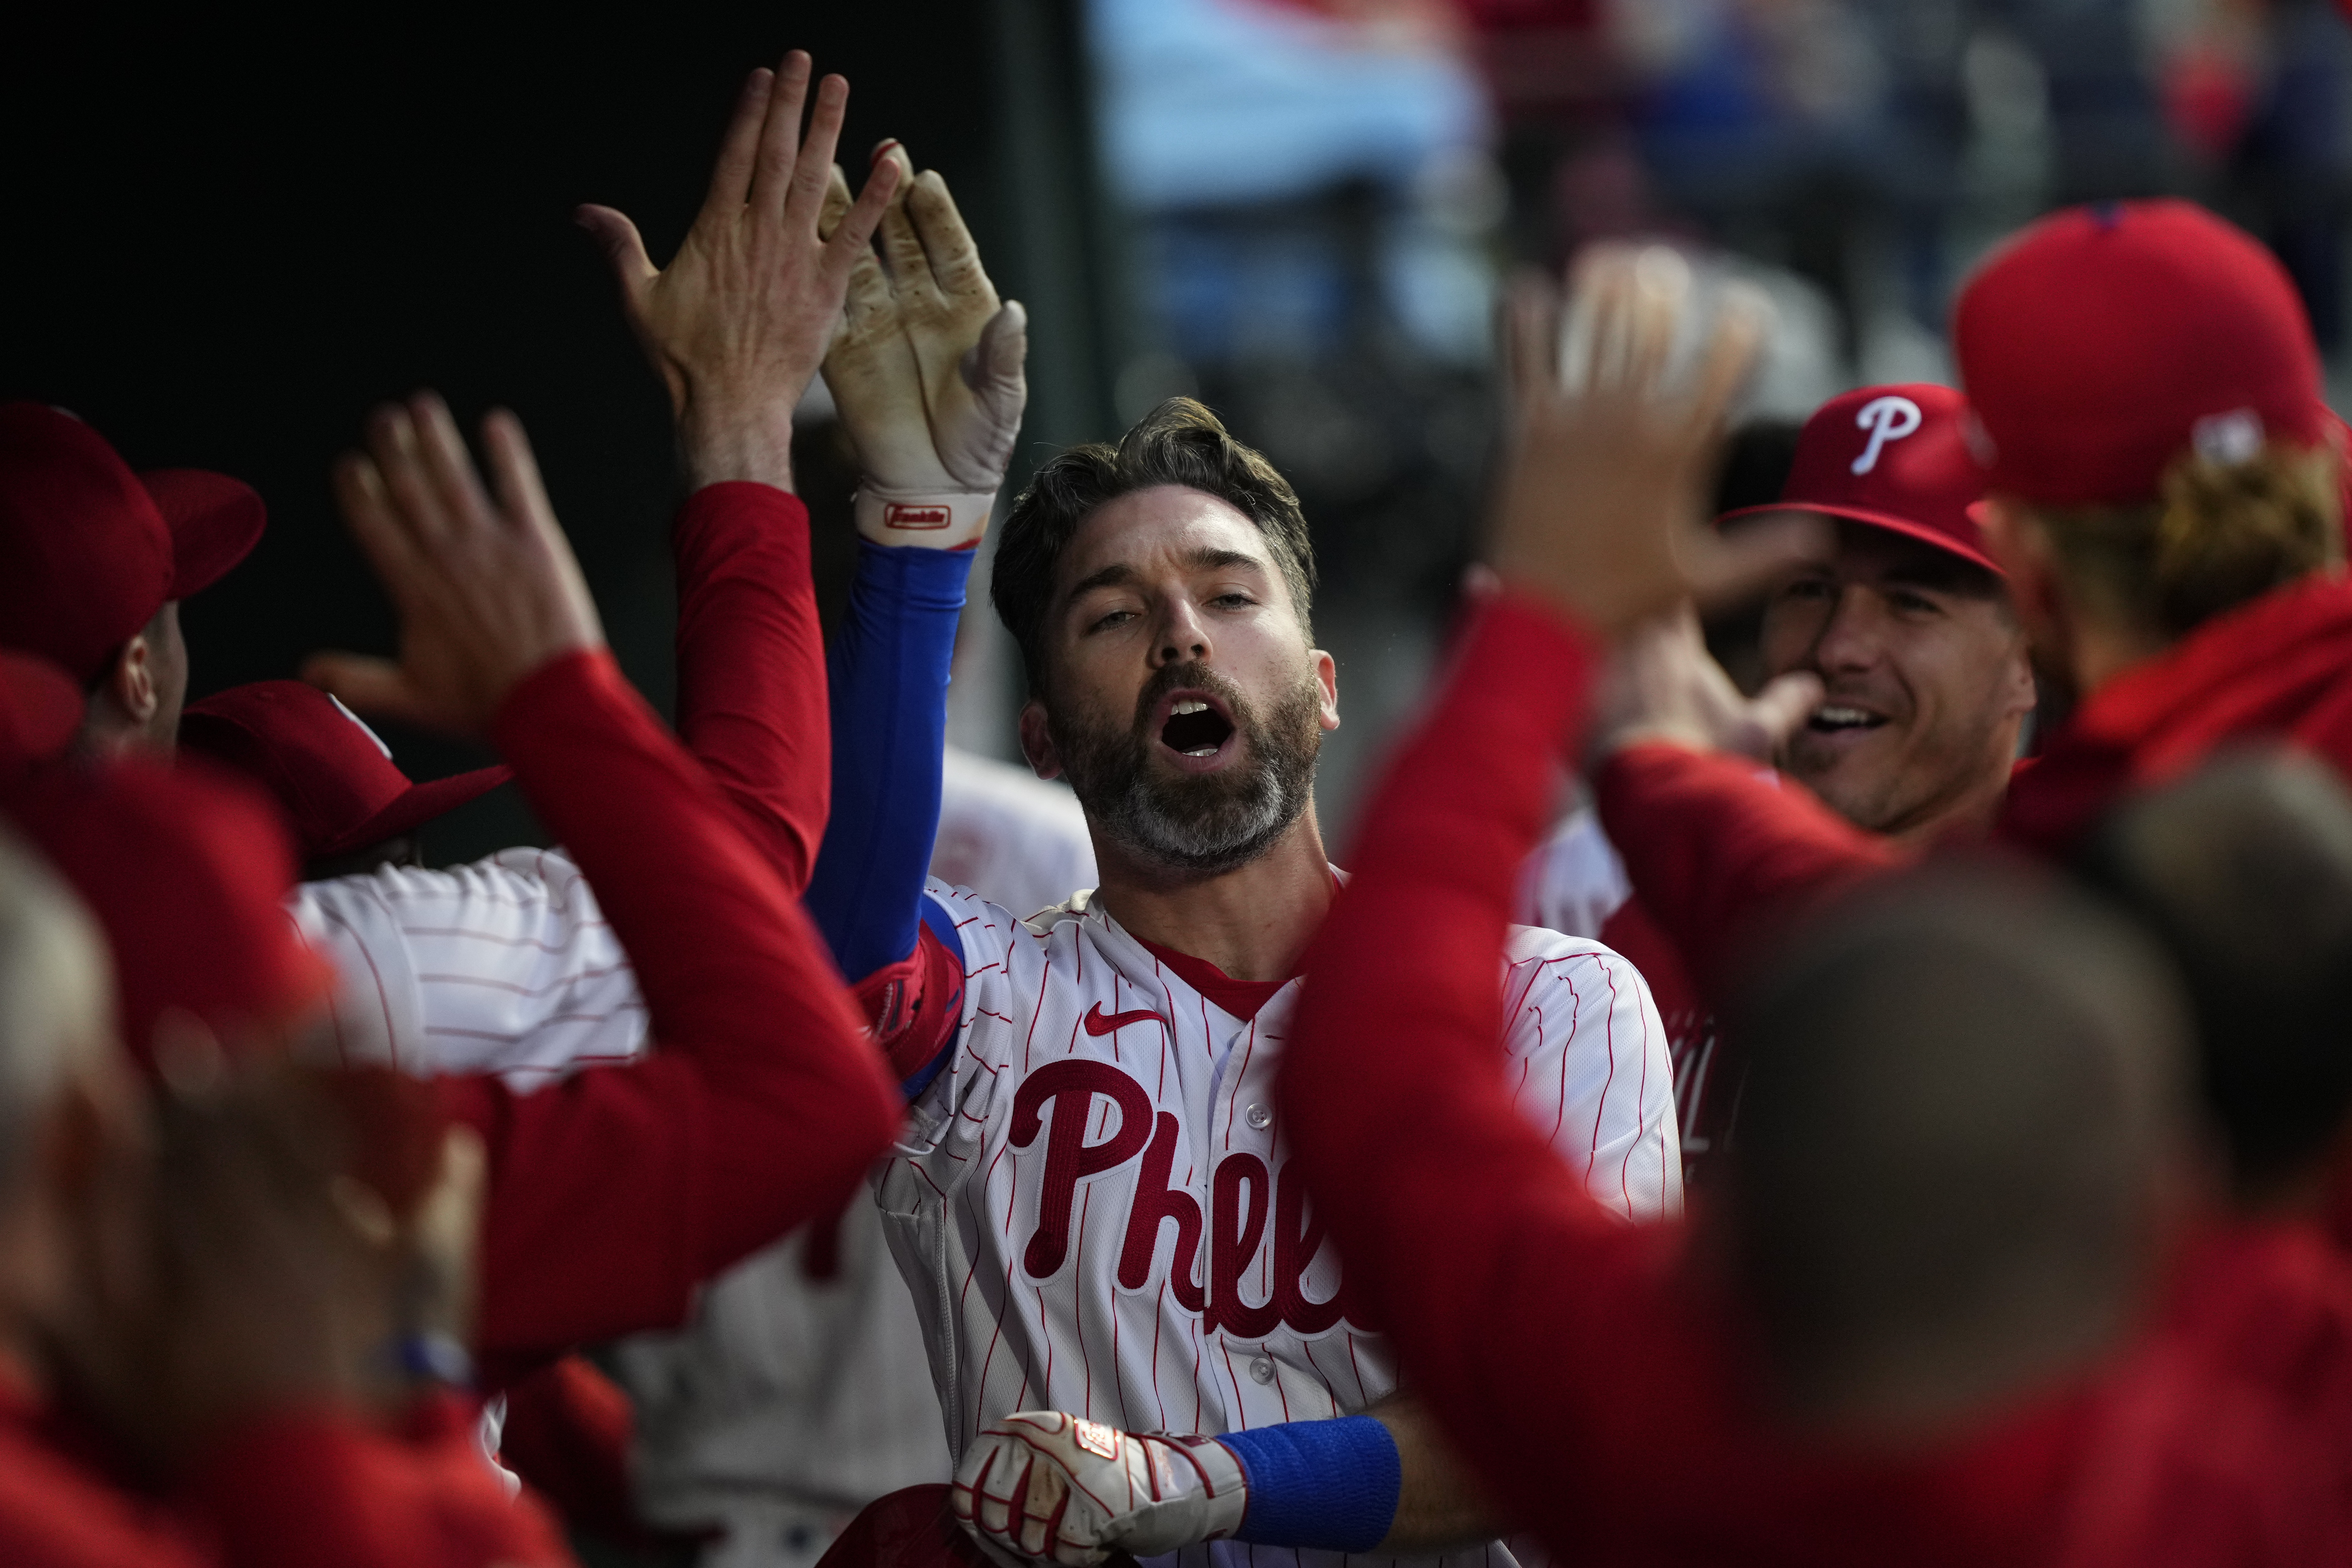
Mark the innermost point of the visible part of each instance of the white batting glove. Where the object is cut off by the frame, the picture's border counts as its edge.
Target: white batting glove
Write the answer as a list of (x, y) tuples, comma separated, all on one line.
[(1044, 1484), (926, 371)]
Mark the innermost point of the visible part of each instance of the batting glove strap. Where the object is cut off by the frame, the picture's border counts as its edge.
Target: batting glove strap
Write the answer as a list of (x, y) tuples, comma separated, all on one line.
[(933, 521), (1327, 1484), (1044, 1484)]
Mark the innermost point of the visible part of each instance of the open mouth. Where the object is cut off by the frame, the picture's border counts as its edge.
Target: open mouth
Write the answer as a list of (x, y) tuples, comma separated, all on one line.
[(1837, 719), (1195, 727)]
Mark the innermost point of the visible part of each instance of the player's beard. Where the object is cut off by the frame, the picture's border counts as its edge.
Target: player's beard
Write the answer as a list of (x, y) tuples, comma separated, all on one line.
[(1200, 823)]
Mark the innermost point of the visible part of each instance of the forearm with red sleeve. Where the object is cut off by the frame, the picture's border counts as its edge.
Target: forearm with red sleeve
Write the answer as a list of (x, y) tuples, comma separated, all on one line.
[(1719, 853), (614, 1192), (751, 666), (1538, 1327), (298, 1489)]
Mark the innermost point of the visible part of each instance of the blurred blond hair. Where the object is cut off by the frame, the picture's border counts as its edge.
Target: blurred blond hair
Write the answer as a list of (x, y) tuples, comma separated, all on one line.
[(2219, 534)]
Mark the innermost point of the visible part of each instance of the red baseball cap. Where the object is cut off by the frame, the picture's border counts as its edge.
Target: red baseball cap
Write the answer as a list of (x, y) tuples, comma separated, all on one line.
[(90, 550), (1895, 457), (187, 872), (336, 781), (2104, 341), (40, 712)]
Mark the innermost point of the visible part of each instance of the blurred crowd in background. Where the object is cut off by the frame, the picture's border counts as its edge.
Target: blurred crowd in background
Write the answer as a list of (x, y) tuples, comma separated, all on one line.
[(1315, 202)]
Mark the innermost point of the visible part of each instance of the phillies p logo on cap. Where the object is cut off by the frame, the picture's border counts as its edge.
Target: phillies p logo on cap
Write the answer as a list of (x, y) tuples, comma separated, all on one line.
[(1892, 457), (1888, 418)]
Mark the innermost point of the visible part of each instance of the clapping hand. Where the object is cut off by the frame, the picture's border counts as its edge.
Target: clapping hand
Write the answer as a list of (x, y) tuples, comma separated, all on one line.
[(1602, 503), (738, 322), (486, 585)]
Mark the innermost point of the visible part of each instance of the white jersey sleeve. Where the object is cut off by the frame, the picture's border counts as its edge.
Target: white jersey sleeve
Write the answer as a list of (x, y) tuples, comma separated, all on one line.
[(1574, 880), (505, 965), (1016, 839), (1593, 1070)]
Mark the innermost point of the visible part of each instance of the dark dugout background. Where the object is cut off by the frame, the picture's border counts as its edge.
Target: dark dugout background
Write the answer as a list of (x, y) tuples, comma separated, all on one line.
[(223, 239)]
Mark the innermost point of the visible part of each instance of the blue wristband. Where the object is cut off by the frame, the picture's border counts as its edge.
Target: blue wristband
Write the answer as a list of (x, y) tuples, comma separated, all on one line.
[(1328, 1484)]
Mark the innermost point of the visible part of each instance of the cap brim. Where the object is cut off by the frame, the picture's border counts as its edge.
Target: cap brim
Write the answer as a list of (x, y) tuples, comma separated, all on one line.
[(410, 810), (214, 520), (1886, 520), (40, 710)]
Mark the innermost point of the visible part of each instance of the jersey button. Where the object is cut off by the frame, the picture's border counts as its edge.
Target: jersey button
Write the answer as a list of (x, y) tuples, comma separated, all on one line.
[(1261, 1118), (1263, 1369)]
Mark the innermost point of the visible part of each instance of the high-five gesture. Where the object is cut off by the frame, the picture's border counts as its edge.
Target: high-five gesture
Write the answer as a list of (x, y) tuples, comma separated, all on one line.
[(486, 585), (1602, 503), (738, 322), (927, 371)]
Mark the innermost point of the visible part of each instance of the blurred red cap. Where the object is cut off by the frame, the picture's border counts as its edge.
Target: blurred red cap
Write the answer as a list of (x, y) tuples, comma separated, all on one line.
[(336, 781), (1895, 457), (187, 872), (2104, 341), (40, 712), (90, 550)]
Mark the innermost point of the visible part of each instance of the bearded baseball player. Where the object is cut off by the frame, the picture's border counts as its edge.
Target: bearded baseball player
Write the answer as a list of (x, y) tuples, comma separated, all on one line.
[(1140, 1340)]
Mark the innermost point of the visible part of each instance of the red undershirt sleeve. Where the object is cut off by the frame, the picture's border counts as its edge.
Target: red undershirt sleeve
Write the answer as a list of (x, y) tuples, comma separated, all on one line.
[(751, 666), (615, 1191), (295, 1489), (1537, 1328), (1719, 853)]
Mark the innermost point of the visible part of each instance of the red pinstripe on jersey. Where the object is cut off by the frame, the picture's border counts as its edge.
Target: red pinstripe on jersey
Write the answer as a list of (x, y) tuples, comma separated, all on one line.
[(1095, 1228)]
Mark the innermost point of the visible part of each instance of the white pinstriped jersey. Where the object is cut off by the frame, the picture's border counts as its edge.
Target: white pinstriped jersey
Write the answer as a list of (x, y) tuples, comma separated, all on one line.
[(1092, 1207), (505, 965)]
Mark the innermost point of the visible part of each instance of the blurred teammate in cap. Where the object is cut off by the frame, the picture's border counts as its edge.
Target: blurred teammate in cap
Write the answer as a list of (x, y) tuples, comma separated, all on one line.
[(1935, 1315), (2164, 495), (94, 560), (227, 1286), (519, 968), (1900, 683)]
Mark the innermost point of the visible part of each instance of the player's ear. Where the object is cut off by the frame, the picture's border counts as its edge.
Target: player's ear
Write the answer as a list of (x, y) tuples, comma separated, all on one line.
[(1037, 741), (1327, 681), (131, 682)]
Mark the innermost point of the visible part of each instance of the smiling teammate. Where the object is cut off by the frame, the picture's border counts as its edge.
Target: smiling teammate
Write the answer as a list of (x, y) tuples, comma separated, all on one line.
[(1092, 1200), (1913, 684)]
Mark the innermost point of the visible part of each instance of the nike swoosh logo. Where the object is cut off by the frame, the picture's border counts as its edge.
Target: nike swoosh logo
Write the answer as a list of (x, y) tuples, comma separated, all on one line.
[(1100, 1022)]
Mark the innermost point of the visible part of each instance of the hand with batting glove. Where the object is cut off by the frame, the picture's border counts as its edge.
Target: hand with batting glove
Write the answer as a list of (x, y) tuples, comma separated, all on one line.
[(1047, 1485), (926, 369)]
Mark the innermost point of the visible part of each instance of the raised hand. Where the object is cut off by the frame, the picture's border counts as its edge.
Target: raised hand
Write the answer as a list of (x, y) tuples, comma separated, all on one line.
[(926, 371), (1663, 684), (485, 584), (738, 322), (1602, 503)]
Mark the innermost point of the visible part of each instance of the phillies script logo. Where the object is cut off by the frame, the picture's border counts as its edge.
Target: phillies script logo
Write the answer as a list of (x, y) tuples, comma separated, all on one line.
[(1244, 1201), (1888, 418), (895, 515)]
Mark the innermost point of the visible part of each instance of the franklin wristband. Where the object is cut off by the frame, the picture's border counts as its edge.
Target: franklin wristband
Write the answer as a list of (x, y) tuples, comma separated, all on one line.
[(931, 522), (1328, 1484)]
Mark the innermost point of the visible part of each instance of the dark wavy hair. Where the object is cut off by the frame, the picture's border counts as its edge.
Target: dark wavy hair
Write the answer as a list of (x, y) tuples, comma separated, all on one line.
[(1178, 442)]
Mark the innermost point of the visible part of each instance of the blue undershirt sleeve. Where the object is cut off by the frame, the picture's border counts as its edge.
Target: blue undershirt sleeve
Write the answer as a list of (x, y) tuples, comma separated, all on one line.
[(887, 672), (1327, 1484)]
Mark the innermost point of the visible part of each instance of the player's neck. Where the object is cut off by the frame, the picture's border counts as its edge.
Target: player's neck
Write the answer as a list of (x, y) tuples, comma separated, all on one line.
[(1252, 922)]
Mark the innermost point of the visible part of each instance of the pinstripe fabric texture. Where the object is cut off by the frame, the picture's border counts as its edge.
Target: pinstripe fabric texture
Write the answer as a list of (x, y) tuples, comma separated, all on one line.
[(505, 966), (1092, 1204)]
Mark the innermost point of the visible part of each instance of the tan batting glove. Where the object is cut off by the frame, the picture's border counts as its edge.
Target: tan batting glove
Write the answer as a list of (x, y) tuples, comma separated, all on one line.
[(925, 370), (1044, 1484)]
